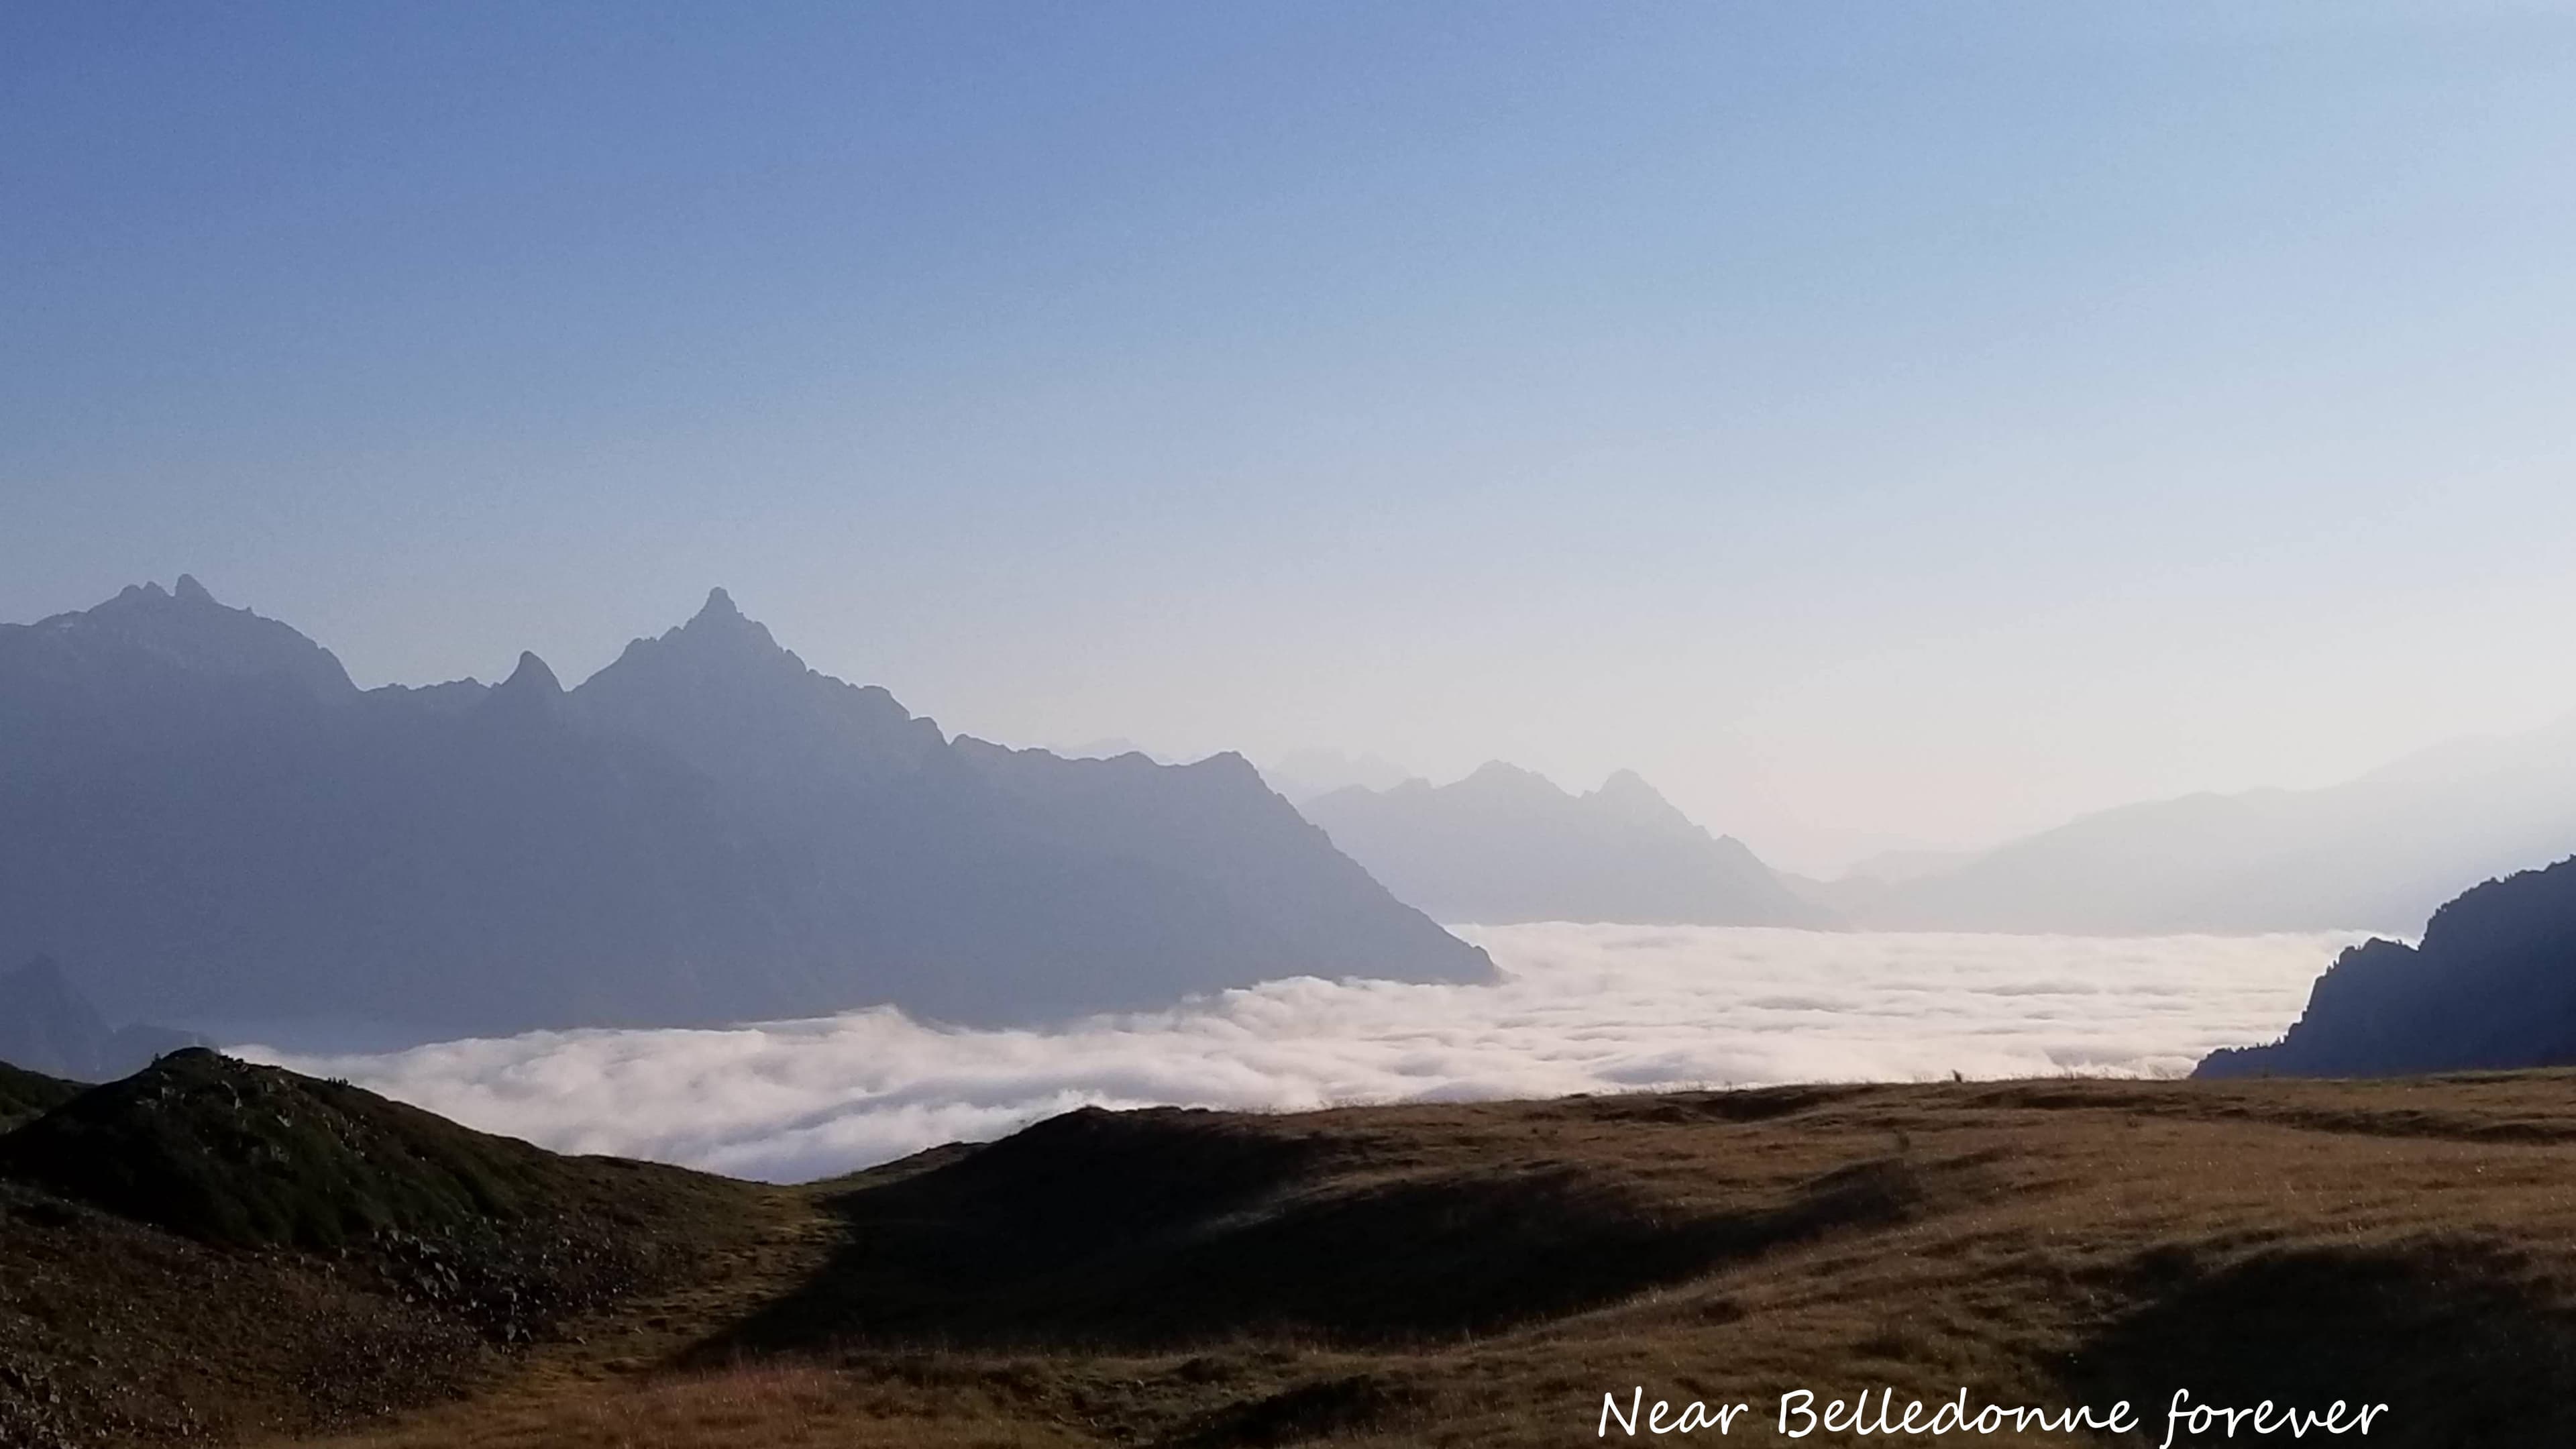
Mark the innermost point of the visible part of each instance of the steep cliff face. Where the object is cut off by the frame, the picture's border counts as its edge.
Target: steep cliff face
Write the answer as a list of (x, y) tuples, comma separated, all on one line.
[(206, 823), (2492, 986)]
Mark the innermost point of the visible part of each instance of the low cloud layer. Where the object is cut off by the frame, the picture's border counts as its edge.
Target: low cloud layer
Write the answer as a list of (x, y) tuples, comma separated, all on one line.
[(1581, 1009)]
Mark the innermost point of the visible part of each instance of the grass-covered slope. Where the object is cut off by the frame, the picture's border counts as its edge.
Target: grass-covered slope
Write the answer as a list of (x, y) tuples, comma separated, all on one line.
[(1168, 1227), (1365, 1278), (1453, 1275), (210, 1249), (229, 1153)]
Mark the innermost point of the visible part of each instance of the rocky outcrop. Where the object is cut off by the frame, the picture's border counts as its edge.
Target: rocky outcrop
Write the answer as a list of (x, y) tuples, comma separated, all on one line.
[(2491, 986)]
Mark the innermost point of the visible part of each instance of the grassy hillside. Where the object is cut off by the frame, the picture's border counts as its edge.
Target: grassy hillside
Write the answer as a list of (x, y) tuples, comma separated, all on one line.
[(209, 1250), (1481, 1275), (225, 1152)]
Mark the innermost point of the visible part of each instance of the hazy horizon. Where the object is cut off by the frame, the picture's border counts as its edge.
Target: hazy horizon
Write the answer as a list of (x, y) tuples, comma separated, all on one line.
[(1876, 427), (1303, 772)]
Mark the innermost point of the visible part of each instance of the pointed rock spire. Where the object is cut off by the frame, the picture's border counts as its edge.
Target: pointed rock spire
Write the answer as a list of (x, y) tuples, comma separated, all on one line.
[(531, 693), (719, 623), (189, 591), (531, 678)]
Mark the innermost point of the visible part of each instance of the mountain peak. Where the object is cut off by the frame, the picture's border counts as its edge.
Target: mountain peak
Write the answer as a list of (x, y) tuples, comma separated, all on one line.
[(1627, 796), (189, 629), (720, 621), (532, 678), (1501, 775), (724, 694)]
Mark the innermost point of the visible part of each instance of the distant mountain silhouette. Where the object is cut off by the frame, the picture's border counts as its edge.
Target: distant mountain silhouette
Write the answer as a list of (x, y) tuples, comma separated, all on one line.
[(2376, 853), (1866, 882), (203, 816), (2492, 986), (47, 1026), (1506, 845), (1303, 775)]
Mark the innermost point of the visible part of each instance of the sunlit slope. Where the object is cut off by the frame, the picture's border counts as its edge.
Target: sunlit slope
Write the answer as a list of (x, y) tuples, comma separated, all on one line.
[(1485, 1274)]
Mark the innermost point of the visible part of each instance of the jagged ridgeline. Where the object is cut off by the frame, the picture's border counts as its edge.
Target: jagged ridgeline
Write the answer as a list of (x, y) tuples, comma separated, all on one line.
[(207, 823)]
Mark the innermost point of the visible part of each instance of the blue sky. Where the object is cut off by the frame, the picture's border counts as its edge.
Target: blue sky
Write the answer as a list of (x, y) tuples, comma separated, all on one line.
[(1875, 423)]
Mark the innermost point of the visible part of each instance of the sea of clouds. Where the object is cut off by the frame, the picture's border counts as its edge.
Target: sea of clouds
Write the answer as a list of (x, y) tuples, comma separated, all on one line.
[(1579, 1009)]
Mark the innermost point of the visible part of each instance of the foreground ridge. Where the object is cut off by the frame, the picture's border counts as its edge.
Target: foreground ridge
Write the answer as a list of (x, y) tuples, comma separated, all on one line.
[(1388, 1275)]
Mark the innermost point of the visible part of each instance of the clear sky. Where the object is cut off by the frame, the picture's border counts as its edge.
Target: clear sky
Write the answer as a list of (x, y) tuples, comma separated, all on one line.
[(1874, 423)]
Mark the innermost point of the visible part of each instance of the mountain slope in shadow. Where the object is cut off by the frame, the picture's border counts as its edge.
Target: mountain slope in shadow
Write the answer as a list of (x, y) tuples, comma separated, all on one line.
[(208, 823), (2492, 986)]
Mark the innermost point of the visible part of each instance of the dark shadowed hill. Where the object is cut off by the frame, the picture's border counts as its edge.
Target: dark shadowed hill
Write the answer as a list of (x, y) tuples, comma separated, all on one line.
[(226, 1152), (1505, 845), (206, 822), (2492, 986), (215, 1251), (1482, 1274)]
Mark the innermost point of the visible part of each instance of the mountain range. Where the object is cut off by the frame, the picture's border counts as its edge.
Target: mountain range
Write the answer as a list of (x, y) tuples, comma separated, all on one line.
[(2376, 853), (1507, 845), (207, 822)]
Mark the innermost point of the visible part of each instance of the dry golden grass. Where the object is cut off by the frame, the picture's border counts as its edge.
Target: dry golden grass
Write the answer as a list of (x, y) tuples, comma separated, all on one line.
[(2045, 1243), (773, 1406)]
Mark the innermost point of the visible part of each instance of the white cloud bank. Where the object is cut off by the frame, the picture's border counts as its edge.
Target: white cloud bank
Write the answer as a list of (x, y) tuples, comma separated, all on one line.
[(1581, 1009)]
